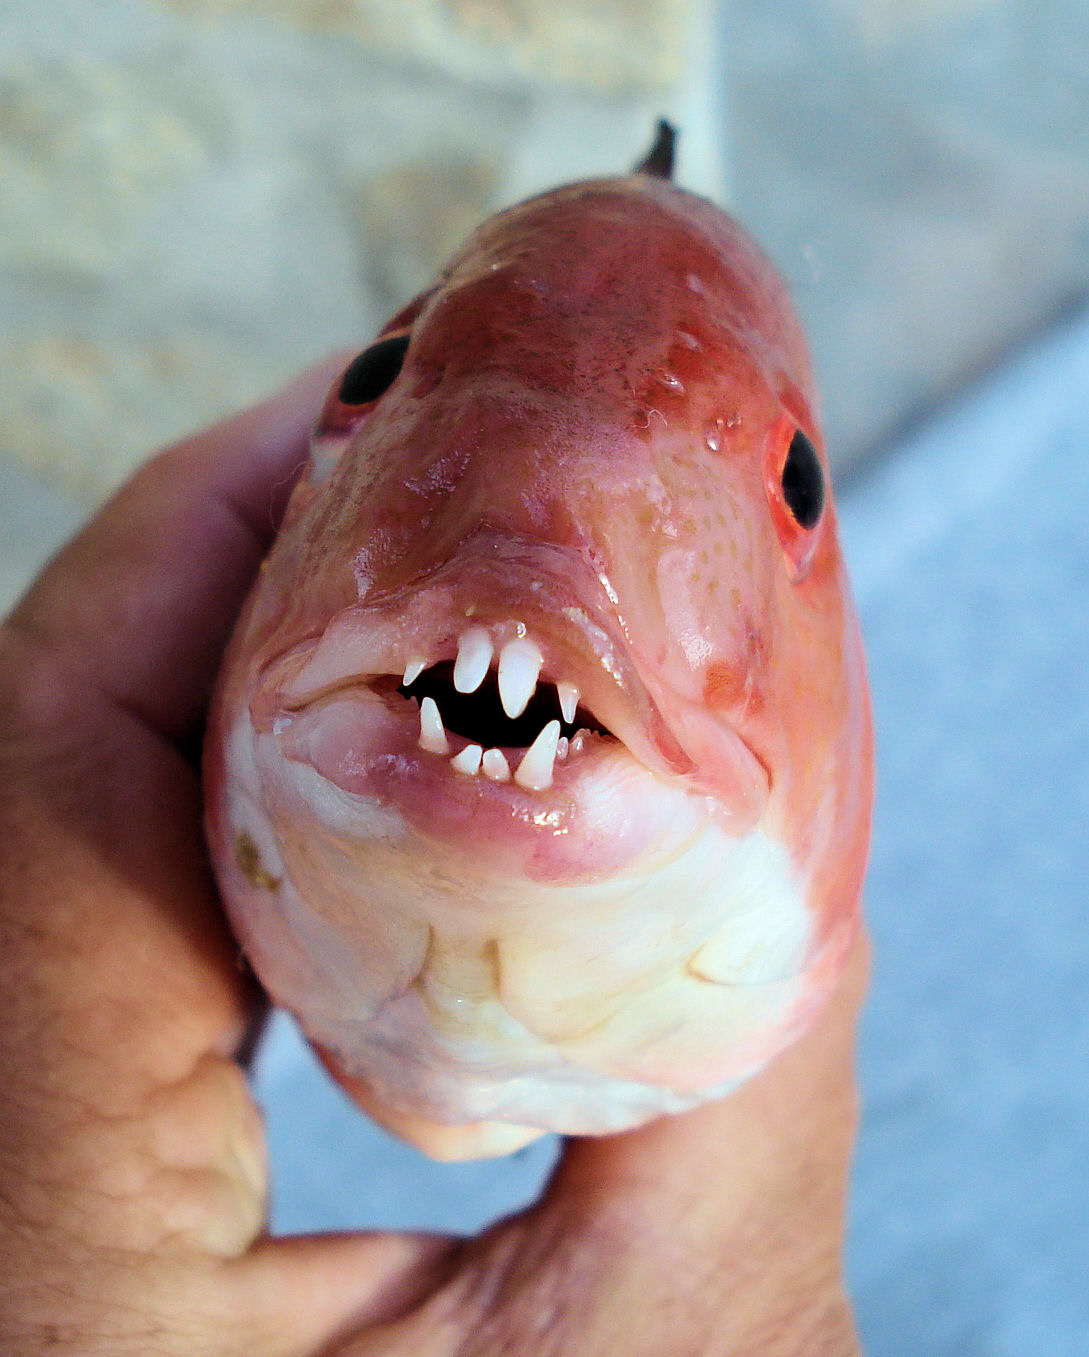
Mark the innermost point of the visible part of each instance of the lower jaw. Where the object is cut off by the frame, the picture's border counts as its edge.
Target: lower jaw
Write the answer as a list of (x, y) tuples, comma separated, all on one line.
[(601, 815), (445, 1129)]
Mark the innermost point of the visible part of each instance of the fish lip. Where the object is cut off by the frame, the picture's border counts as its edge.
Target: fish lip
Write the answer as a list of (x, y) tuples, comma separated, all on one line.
[(509, 587)]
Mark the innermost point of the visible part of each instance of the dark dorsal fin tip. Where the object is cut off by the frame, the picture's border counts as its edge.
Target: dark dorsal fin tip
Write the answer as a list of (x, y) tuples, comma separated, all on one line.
[(658, 161)]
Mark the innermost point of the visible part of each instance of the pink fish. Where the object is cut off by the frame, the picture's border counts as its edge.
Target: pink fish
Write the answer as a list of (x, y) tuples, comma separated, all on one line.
[(540, 771)]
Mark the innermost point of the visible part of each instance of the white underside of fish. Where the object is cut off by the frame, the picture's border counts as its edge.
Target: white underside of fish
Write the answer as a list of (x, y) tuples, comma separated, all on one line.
[(462, 996)]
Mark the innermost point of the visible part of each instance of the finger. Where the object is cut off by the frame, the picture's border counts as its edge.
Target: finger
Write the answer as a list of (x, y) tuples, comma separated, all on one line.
[(118, 973), (131, 1155), (793, 1121), (141, 603), (306, 1293)]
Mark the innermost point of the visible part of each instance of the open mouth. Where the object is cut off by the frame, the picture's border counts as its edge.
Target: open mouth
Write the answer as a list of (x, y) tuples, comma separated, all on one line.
[(491, 700), (526, 738), (510, 723)]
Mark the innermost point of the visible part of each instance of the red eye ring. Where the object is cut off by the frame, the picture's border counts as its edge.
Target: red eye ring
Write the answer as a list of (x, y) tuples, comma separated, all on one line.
[(795, 480)]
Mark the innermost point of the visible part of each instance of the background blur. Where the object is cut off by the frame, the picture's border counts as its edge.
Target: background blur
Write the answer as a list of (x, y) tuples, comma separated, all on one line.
[(199, 196)]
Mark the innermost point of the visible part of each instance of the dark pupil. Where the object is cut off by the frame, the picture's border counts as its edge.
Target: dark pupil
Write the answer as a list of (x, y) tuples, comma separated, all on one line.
[(803, 481), (374, 371)]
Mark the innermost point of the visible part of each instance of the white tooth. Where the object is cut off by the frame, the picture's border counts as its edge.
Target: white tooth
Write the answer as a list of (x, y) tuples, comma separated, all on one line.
[(495, 765), (519, 665), (468, 761), (562, 747), (577, 741), (413, 670), (569, 700), (535, 771), (432, 734), (474, 657)]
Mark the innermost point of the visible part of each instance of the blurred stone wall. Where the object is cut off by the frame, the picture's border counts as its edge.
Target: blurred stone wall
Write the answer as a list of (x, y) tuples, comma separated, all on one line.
[(199, 196)]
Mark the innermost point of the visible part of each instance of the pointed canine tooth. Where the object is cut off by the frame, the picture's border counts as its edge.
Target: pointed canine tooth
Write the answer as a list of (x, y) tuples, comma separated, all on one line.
[(474, 657), (569, 700), (432, 732), (468, 761), (562, 748), (519, 666), (495, 765), (413, 670), (535, 771)]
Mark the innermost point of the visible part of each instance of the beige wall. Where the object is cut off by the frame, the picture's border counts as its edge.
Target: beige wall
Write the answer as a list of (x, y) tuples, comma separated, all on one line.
[(199, 196)]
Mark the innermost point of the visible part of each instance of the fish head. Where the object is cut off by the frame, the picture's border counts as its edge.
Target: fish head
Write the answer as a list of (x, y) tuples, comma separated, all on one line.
[(546, 724)]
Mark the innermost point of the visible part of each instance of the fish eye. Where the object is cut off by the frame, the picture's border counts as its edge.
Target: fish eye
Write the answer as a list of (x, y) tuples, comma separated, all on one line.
[(373, 372), (803, 481)]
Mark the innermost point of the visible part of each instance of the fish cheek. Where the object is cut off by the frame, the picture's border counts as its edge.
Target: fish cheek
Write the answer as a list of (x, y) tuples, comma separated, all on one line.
[(739, 686)]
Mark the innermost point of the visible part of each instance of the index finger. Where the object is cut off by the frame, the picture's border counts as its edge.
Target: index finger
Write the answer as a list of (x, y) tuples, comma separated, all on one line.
[(141, 603)]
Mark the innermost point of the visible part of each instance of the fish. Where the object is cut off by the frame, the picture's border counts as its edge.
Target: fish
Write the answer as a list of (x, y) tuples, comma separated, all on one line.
[(539, 771)]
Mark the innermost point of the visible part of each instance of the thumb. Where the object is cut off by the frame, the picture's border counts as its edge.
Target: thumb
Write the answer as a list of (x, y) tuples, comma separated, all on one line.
[(790, 1127), (306, 1295)]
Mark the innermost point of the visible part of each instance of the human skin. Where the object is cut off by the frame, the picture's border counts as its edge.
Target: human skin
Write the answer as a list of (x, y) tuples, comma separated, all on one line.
[(133, 1176)]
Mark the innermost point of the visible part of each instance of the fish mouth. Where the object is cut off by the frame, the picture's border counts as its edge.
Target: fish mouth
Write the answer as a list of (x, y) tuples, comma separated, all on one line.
[(500, 700), (493, 688), (499, 718), (506, 644)]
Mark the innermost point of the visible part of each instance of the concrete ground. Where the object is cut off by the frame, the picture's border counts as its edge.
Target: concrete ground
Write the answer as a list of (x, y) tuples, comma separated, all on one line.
[(969, 1233)]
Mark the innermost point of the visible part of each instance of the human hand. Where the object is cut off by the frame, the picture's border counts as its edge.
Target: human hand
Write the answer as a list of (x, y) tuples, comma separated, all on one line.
[(132, 1166)]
